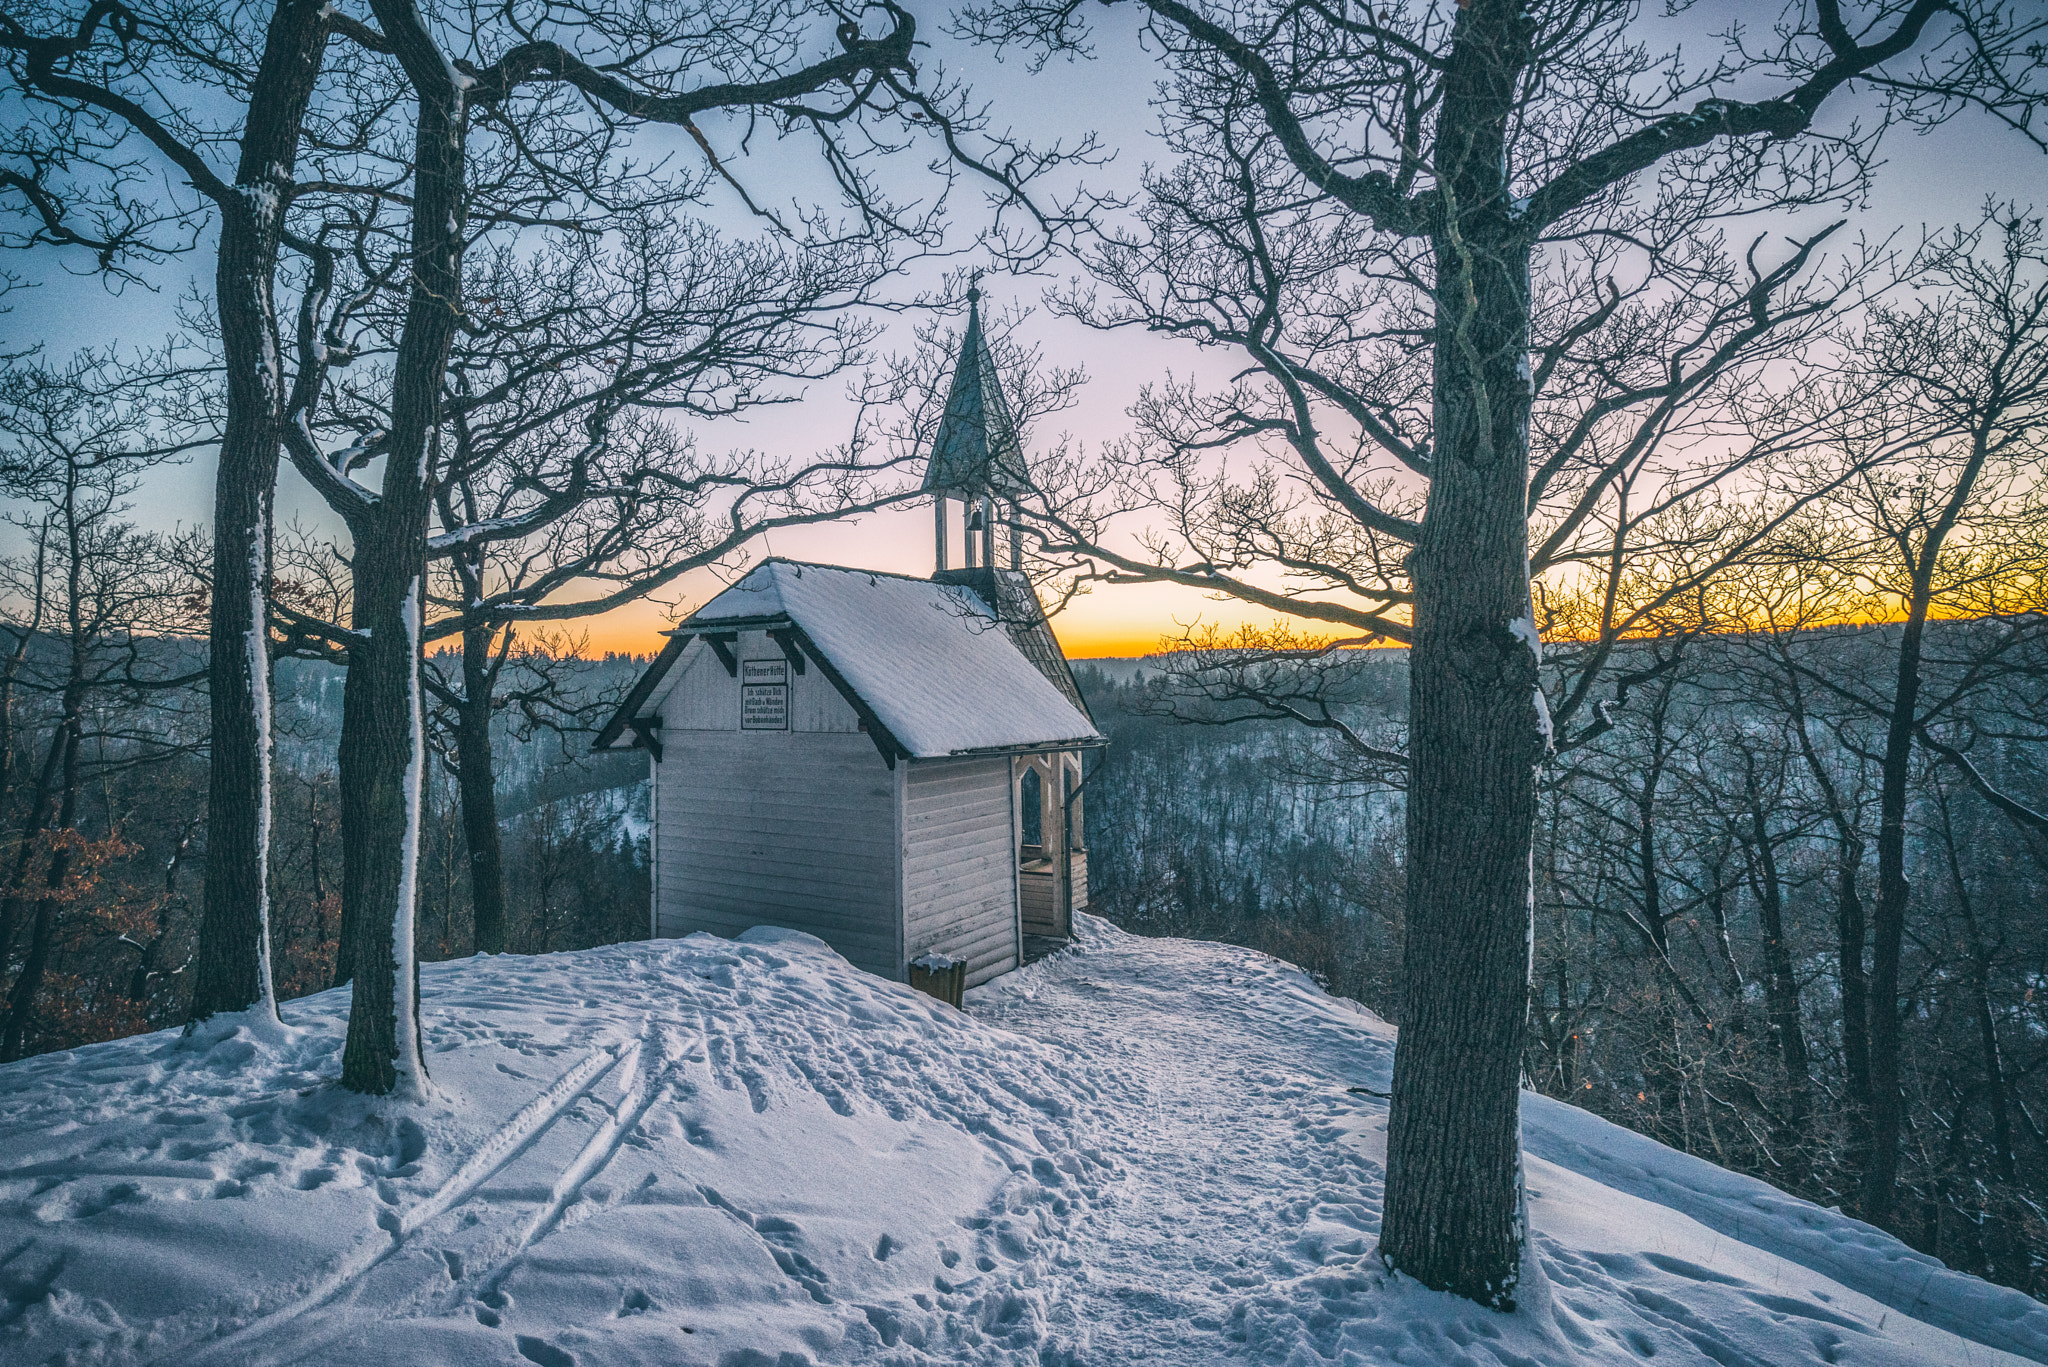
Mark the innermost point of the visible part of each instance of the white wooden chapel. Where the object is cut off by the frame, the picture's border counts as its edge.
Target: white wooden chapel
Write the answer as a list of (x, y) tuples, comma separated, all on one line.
[(889, 763)]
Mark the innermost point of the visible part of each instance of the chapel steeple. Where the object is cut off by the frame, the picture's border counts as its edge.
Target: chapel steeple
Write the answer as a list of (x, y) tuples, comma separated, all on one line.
[(976, 456)]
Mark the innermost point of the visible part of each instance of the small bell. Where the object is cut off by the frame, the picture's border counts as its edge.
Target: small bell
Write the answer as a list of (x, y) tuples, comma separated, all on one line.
[(974, 519)]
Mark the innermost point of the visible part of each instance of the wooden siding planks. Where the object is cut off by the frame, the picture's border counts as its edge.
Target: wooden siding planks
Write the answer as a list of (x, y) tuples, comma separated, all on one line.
[(959, 864), (795, 829), (1038, 896), (808, 829)]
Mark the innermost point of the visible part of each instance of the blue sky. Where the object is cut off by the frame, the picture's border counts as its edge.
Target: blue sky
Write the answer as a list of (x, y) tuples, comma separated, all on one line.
[(1934, 181)]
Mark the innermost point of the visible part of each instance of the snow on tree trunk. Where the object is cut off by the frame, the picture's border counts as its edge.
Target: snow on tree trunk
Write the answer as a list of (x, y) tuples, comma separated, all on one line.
[(258, 646), (232, 962), (405, 1005), (381, 758), (382, 771)]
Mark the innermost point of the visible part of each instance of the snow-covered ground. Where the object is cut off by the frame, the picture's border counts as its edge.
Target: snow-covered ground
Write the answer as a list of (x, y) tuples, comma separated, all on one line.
[(748, 1154)]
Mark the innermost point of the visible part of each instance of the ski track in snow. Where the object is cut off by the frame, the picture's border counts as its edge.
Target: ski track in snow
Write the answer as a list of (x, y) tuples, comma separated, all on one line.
[(499, 1148), (745, 1154), (473, 1216)]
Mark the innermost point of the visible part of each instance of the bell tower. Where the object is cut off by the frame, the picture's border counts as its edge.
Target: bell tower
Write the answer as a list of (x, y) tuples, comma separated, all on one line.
[(976, 458)]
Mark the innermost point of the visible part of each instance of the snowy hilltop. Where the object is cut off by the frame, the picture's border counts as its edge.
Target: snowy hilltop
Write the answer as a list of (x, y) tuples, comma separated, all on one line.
[(747, 1153)]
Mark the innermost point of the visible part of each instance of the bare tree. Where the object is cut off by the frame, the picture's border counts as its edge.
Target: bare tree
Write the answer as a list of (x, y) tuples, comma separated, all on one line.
[(563, 488), (1791, 614), (122, 108), (513, 129), (1958, 377), (570, 490), (1359, 199), (90, 605)]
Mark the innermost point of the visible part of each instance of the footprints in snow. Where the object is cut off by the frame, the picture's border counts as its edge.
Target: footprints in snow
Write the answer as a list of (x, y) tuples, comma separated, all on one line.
[(863, 1052), (540, 1351), (398, 1225), (75, 1201), (841, 1048), (780, 1238), (1235, 1188), (25, 1280), (179, 1153)]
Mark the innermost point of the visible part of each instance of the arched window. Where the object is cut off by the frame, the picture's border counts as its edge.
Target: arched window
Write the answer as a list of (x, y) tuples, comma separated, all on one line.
[(1031, 796)]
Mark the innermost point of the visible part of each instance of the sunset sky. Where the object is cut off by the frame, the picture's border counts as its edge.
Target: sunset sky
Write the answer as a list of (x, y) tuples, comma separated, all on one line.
[(1935, 181)]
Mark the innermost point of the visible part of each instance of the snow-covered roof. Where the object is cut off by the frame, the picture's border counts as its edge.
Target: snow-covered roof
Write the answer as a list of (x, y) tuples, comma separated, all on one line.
[(931, 662), (1016, 603)]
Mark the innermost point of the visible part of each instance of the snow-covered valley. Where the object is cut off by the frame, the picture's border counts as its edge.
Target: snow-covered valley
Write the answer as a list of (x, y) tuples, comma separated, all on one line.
[(747, 1153)]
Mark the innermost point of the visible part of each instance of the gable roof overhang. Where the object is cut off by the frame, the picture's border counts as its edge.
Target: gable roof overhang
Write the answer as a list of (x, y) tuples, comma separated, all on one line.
[(628, 713), (961, 682), (797, 647)]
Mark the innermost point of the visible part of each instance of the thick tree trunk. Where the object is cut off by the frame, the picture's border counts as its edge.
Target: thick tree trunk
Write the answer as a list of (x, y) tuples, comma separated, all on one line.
[(1453, 1207), (1454, 1211), (382, 759), (383, 751), (232, 963), (479, 791)]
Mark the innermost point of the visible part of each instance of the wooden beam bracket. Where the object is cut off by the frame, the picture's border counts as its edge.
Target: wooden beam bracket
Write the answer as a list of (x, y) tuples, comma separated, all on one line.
[(722, 643), (786, 638), (643, 690), (869, 722), (644, 728)]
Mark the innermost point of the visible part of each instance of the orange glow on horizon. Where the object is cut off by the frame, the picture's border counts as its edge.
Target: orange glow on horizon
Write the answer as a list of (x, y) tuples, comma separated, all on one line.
[(1110, 623)]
